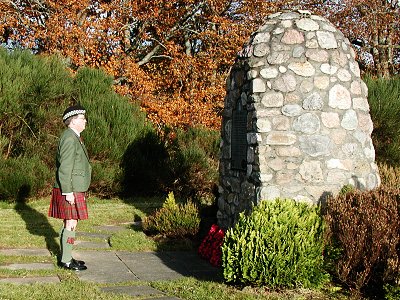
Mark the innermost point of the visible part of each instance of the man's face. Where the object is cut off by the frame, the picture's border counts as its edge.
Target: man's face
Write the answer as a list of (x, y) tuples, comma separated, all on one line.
[(79, 123)]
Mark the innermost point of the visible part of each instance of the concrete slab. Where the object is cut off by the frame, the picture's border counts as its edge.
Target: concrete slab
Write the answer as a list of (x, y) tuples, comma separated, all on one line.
[(30, 280), (148, 266), (25, 252), (169, 265), (29, 266), (103, 267), (134, 291), (90, 245)]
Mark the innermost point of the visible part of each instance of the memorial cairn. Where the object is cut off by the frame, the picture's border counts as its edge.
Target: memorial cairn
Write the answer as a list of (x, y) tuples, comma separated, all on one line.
[(296, 120)]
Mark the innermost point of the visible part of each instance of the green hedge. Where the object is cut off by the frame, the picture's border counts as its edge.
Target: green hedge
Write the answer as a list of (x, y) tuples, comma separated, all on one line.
[(280, 244)]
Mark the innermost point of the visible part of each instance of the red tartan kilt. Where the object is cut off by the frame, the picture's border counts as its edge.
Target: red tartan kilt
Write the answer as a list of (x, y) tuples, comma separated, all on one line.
[(61, 209)]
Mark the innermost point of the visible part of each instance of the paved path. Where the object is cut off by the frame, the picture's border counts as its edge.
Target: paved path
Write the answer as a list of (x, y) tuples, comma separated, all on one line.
[(108, 266)]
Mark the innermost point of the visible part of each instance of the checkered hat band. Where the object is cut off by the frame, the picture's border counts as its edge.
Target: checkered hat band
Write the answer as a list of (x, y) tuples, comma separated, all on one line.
[(73, 113)]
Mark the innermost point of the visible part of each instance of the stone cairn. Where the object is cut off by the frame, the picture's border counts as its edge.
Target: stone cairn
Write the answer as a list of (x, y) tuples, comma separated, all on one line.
[(296, 120)]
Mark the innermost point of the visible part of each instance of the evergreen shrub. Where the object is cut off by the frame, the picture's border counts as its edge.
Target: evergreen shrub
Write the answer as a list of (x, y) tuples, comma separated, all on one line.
[(363, 228), (392, 292), (22, 177), (384, 102), (35, 90), (173, 219), (114, 125), (194, 154), (279, 244), (183, 160)]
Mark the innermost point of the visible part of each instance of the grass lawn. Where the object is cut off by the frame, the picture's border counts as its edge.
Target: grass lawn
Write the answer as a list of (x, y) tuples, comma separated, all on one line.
[(26, 225)]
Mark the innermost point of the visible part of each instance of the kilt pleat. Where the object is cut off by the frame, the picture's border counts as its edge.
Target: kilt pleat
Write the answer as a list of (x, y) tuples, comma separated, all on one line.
[(61, 209)]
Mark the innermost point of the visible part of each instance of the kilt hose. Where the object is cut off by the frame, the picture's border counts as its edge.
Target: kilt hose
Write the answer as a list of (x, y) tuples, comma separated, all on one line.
[(61, 209)]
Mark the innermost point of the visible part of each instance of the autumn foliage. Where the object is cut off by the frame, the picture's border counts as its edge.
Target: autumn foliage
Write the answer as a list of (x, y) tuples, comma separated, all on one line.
[(172, 57)]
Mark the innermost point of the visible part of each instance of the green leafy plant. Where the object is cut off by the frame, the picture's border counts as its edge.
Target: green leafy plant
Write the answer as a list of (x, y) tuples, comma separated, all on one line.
[(279, 244), (173, 220), (392, 292)]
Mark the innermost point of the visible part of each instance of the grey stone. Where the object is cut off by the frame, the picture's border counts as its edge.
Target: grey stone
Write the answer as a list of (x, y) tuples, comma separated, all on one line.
[(328, 69), (307, 24), (350, 120), (269, 72), (307, 123), (261, 37), (261, 50), (277, 58), (326, 40), (317, 55), (292, 110), (305, 69), (311, 171), (315, 145), (270, 193), (339, 97), (313, 102), (272, 99), (258, 86), (281, 138), (286, 83)]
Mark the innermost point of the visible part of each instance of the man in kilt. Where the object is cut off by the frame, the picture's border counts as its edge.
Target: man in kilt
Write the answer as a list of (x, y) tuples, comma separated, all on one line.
[(73, 176)]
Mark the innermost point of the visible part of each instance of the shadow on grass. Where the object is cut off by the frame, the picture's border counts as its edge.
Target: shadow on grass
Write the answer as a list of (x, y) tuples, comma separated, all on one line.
[(36, 223), (180, 254)]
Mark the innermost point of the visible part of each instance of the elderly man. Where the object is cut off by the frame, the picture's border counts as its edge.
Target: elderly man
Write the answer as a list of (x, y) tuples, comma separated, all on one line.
[(73, 175)]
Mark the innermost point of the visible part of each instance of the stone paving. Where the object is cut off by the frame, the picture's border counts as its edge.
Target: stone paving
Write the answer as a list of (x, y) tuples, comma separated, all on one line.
[(106, 266)]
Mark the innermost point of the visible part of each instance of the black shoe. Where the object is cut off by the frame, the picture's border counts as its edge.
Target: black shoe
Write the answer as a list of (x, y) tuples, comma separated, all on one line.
[(78, 262), (72, 266)]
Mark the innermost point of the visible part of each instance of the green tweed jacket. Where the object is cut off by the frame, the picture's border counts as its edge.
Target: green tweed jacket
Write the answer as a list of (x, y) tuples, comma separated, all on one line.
[(73, 172)]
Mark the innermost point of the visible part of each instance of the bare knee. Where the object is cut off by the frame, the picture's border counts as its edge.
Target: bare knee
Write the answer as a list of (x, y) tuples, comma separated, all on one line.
[(70, 224)]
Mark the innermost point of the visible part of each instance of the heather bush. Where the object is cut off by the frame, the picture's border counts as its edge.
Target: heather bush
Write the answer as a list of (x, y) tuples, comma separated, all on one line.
[(390, 175), (364, 242), (173, 219), (280, 244)]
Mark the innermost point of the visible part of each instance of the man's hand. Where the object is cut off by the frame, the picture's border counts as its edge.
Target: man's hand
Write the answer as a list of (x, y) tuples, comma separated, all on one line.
[(70, 198)]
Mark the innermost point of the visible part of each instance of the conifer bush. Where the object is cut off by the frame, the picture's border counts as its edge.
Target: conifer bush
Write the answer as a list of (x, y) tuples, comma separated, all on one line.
[(35, 90), (20, 178), (364, 231), (384, 101), (279, 244), (194, 155), (173, 219)]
